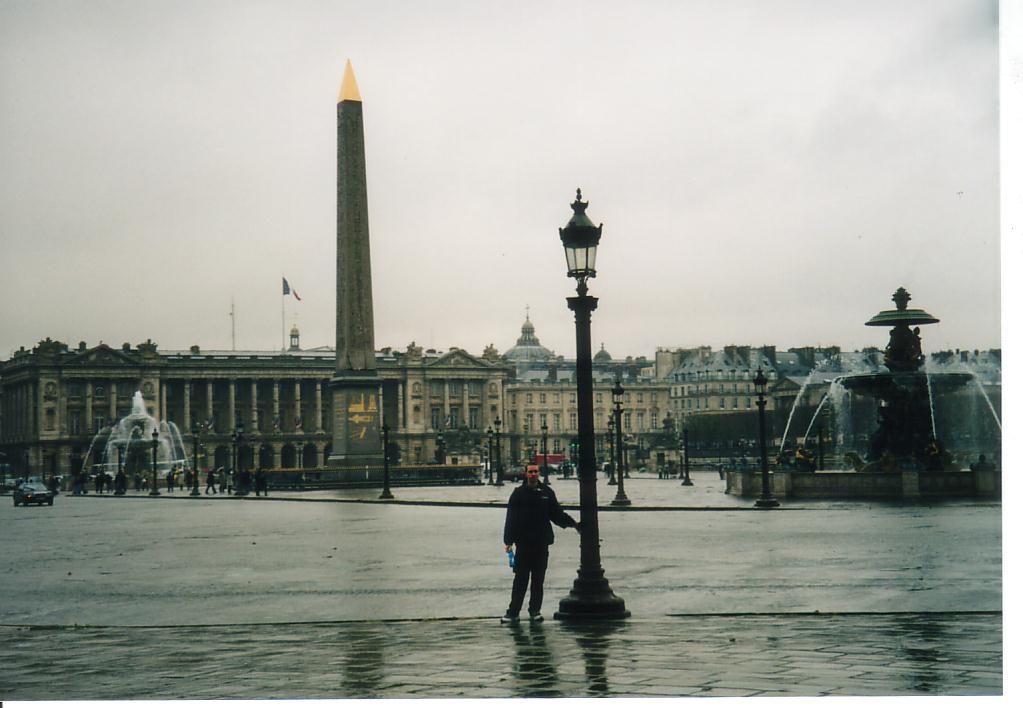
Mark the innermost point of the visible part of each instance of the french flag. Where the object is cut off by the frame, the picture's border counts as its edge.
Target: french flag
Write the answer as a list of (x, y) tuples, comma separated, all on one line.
[(288, 290)]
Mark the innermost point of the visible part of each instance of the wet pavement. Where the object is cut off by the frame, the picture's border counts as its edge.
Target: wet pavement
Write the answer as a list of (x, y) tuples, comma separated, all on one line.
[(330, 594)]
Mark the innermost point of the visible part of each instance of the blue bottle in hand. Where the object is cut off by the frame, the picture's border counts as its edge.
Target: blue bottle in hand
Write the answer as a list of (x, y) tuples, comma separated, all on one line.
[(511, 560)]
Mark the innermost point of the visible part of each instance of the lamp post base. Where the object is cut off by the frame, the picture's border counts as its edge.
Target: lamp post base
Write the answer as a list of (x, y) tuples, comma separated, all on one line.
[(687, 482), (591, 599), (621, 500), (386, 494), (195, 492), (154, 493), (766, 503)]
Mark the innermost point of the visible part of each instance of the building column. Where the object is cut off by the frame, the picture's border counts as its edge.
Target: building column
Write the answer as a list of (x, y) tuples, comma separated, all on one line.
[(319, 413), (465, 402), (209, 403), (88, 407), (254, 405), (186, 386), (113, 401), (162, 389), (231, 416), (446, 413), (277, 407), (401, 423), (298, 406)]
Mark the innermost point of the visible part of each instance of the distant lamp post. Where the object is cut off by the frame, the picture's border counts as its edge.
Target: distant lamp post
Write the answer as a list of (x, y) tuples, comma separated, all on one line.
[(154, 492), (120, 460), (616, 397), (591, 597), (498, 471), (611, 480), (543, 443), (686, 482), (490, 455), (386, 493), (766, 501), (441, 451), (196, 432)]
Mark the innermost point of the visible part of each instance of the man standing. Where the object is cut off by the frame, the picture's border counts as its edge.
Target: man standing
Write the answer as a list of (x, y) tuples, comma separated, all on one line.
[(531, 509)]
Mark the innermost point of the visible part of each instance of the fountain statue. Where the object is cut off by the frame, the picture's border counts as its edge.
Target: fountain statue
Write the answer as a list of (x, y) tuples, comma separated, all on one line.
[(905, 437), (129, 441)]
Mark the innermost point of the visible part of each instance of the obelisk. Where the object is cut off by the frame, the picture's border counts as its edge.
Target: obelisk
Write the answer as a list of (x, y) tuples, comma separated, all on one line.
[(355, 387)]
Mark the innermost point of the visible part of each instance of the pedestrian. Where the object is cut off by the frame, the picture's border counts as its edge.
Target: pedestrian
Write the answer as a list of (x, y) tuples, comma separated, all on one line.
[(532, 508), (222, 479), (211, 482), (170, 480)]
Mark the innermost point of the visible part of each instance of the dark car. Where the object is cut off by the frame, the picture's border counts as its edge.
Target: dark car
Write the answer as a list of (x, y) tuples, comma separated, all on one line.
[(32, 493)]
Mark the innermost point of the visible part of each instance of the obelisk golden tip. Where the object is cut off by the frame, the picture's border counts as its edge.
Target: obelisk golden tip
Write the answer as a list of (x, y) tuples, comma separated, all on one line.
[(349, 89)]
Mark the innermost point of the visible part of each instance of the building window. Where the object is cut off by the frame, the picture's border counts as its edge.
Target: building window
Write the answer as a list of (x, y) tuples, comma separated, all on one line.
[(475, 388), (529, 398), (600, 398), (436, 388), (557, 422), (573, 421), (571, 398), (436, 419), (75, 422), (628, 397), (455, 388), (557, 398), (543, 420), (474, 418), (722, 404), (627, 423), (557, 446), (455, 417), (749, 402), (98, 392), (639, 397), (543, 398), (735, 403), (640, 419), (75, 390), (98, 421)]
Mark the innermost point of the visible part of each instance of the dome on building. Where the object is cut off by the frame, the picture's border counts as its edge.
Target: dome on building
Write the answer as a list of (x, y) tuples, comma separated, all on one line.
[(602, 357), (528, 347)]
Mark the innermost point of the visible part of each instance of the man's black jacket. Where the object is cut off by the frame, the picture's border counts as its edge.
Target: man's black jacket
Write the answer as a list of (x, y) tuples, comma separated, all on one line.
[(529, 517)]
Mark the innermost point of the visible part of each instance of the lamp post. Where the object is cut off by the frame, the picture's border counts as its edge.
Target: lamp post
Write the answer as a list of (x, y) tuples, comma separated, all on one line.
[(490, 455), (386, 493), (686, 482), (543, 443), (441, 451), (766, 501), (616, 397), (196, 431), (236, 439), (499, 472), (154, 492), (611, 479), (120, 460), (591, 597)]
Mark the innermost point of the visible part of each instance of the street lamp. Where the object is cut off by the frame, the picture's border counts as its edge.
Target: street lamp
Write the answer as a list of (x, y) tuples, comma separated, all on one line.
[(386, 494), (499, 472), (611, 448), (441, 451), (490, 455), (120, 460), (616, 398), (686, 482), (591, 597), (236, 439), (543, 443), (154, 492), (766, 501), (196, 431)]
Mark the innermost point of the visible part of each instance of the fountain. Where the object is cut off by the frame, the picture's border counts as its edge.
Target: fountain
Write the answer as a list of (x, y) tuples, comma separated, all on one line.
[(131, 437), (906, 437)]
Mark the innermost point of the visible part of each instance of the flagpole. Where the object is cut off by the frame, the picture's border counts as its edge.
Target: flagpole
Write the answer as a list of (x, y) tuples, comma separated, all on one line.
[(283, 298)]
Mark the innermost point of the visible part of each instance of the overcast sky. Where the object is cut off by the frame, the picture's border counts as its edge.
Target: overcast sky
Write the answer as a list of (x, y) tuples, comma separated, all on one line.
[(766, 172)]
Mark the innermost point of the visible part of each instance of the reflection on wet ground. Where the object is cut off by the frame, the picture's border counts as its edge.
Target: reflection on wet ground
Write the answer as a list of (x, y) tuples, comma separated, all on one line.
[(751, 655)]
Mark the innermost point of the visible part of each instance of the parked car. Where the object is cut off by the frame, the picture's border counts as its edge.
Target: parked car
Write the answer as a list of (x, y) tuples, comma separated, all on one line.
[(32, 493)]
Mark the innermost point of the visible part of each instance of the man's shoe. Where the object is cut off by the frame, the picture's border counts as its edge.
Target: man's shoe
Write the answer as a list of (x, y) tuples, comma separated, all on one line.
[(536, 619), (509, 619)]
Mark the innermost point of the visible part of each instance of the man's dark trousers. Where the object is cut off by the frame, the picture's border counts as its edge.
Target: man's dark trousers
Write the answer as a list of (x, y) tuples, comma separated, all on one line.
[(530, 562)]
